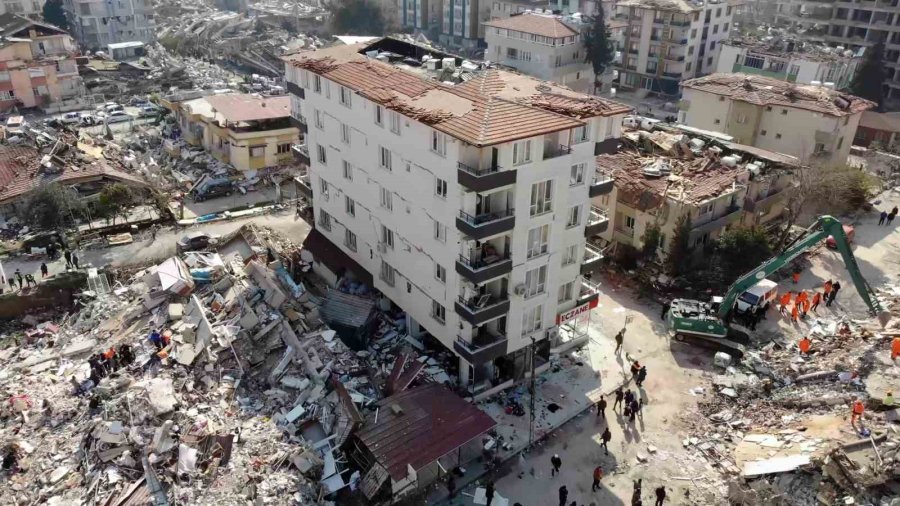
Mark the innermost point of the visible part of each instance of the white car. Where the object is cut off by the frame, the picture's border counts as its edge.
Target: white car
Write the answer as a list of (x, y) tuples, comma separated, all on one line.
[(118, 117), (70, 118), (641, 122), (15, 125)]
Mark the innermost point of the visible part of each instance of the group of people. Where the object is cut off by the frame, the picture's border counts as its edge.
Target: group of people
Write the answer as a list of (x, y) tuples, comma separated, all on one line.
[(804, 302), (886, 217), (23, 281), (27, 280), (105, 363)]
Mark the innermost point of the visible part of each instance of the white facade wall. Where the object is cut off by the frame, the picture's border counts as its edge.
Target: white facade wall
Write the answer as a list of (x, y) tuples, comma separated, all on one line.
[(97, 23), (22, 7), (563, 63), (796, 69)]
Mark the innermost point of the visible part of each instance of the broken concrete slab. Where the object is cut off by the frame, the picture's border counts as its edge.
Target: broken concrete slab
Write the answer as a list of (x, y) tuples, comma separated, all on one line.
[(161, 394), (775, 465)]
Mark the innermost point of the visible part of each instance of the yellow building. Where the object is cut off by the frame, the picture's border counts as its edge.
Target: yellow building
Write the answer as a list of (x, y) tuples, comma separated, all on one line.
[(248, 132)]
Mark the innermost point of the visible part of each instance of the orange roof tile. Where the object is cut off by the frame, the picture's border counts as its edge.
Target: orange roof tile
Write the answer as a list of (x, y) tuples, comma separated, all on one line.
[(537, 24)]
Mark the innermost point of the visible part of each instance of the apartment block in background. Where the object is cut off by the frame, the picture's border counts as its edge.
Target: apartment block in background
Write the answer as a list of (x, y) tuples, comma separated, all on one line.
[(461, 23), (28, 8), (419, 15), (545, 46), (97, 23), (466, 202), (789, 60), (667, 41), (816, 124), (37, 64)]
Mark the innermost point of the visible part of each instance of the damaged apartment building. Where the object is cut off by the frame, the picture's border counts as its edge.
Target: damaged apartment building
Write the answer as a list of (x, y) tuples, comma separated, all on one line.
[(96, 24), (661, 175), (461, 191)]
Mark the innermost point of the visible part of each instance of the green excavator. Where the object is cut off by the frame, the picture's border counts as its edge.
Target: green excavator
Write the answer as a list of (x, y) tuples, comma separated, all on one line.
[(706, 323)]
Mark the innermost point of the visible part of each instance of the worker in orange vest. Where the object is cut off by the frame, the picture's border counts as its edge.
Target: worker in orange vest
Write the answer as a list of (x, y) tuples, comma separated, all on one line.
[(802, 296), (858, 410), (785, 300), (895, 349), (805, 307), (817, 298), (796, 276), (805, 344), (795, 312)]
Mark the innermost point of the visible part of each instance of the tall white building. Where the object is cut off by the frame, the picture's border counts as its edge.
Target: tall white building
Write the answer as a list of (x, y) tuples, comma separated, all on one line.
[(468, 204), (97, 23), (670, 40), (22, 7), (461, 22)]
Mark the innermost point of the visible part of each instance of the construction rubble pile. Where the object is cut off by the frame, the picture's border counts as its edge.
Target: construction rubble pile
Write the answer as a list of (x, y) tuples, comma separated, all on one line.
[(777, 425)]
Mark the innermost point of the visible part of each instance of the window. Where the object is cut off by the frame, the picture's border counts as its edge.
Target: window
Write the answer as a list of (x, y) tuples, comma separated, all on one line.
[(580, 134), (521, 152), (282, 148), (819, 148), (741, 119), (715, 30), (384, 158), (768, 108), (395, 122), (345, 133), (777, 136), (565, 291), (387, 199), (629, 222), (319, 118), (532, 319), (348, 170), (387, 237), (717, 122), (538, 238), (440, 231), (379, 115), (323, 188), (324, 220), (512, 53), (570, 254), (440, 187), (709, 60), (576, 174), (840, 143), (440, 273), (541, 197), (762, 132), (4, 75), (349, 206), (535, 281), (320, 154), (345, 95), (719, 12), (574, 217), (691, 51), (350, 240), (438, 142), (725, 28), (438, 312), (721, 98), (526, 56), (387, 273), (784, 112), (317, 83), (705, 208)]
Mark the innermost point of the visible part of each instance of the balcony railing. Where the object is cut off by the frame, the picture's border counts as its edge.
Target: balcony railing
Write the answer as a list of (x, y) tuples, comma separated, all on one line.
[(484, 179), (592, 258), (301, 152), (483, 269), (673, 75), (485, 224), (587, 291), (482, 308), (597, 222), (484, 347), (557, 150)]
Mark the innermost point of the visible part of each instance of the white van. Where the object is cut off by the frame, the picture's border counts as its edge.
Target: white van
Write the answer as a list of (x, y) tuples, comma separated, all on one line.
[(15, 125), (757, 295)]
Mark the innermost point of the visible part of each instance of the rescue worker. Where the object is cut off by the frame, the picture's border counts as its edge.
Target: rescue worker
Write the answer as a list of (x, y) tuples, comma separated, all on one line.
[(817, 298), (802, 296), (785, 300), (895, 348), (857, 410), (795, 312), (796, 276), (804, 345), (889, 402), (805, 307)]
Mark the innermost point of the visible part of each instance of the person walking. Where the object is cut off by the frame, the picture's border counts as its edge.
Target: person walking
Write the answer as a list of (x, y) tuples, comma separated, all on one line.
[(75, 260), (632, 411), (891, 216), (563, 495), (816, 299), (660, 495), (636, 492), (489, 492), (665, 310), (795, 312), (796, 276), (68, 256), (29, 279), (785, 300), (557, 463), (601, 407), (835, 288), (882, 217), (18, 275), (44, 270), (598, 475), (805, 344), (620, 338), (827, 289), (641, 375), (805, 308), (629, 396), (605, 437), (635, 367), (619, 397), (894, 211), (451, 488), (857, 409)]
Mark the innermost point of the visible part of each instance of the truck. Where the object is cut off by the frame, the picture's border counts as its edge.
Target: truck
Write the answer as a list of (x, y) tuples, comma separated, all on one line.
[(707, 323)]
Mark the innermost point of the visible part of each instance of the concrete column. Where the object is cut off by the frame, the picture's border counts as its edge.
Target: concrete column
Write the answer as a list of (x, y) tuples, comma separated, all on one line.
[(412, 326), (463, 372)]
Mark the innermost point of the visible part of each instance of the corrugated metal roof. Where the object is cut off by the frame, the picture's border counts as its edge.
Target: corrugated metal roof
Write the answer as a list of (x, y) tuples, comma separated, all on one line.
[(432, 421), (345, 309)]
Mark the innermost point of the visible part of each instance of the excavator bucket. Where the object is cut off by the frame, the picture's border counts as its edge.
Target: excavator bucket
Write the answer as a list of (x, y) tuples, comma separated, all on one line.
[(883, 318)]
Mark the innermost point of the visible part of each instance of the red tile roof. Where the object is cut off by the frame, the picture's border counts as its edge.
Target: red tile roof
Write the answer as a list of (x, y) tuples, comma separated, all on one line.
[(537, 24), (492, 107), (432, 422), (767, 91)]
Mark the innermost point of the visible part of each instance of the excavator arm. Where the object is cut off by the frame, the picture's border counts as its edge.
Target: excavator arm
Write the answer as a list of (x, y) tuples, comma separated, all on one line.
[(824, 226)]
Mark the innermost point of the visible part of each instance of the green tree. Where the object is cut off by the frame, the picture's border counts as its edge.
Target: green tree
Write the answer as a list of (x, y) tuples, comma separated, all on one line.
[(741, 249), (650, 241), (115, 200), (598, 43), (357, 17), (54, 14), (51, 206), (679, 257), (869, 78)]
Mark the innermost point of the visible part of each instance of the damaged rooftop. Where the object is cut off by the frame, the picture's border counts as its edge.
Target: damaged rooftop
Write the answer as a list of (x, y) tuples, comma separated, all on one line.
[(782, 47), (487, 107)]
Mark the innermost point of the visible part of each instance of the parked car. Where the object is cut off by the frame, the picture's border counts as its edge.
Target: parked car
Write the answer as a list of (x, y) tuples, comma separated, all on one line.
[(110, 107), (196, 241), (758, 295), (118, 117), (213, 191), (88, 119), (634, 121), (148, 111), (15, 125), (70, 118)]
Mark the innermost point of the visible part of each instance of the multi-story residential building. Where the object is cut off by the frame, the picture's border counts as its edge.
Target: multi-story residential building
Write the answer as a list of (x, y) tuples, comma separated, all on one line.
[(248, 132), (22, 7), (461, 22), (37, 64), (545, 46), (419, 15), (880, 128), (96, 23), (816, 124), (848, 25), (670, 40), (466, 202), (789, 60), (503, 9)]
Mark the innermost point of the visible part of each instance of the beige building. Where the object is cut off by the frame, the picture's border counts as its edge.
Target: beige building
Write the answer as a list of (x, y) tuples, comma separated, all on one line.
[(790, 60), (545, 46), (249, 132), (813, 123)]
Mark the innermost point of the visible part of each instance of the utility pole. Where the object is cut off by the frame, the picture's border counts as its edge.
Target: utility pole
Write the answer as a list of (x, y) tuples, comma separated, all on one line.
[(533, 395)]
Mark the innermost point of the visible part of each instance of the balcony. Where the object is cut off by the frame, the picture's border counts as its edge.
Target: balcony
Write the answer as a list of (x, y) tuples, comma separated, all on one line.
[(481, 180), (675, 57), (479, 271), (597, 222), (480, 309), (608, 146), (486, 224), (483, 348), (731, 215), (592, 259), (623, 234), (587, 292), (294, 89), (303, 186), (556, 150), (301, 153), (672, 75), (602, 184), (776, 74), (299, 122)]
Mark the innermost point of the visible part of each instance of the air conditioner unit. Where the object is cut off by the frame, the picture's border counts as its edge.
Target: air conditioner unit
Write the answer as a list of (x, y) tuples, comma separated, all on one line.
[(519, 289), (552, 332), (382, 248)]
